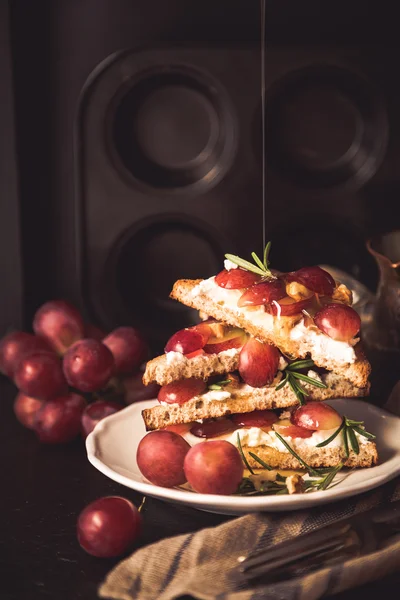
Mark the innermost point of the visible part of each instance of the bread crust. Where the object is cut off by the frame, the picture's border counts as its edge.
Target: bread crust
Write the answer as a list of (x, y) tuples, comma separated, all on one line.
[(242, 401), (314, 457), (357, 372)]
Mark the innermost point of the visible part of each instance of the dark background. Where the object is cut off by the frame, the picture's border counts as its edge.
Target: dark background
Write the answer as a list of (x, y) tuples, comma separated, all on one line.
[(84, 218)]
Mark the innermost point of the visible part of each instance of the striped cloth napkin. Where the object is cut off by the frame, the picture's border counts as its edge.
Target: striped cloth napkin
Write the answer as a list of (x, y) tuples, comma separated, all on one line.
[(202, 564)]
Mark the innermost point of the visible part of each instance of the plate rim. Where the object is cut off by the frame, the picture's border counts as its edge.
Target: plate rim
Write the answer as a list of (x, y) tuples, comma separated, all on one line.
[(230, 502)]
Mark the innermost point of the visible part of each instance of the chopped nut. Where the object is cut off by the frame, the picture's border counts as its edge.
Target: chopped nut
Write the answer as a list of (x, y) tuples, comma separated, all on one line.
[(295, 484), (342, 294), (298, 291)]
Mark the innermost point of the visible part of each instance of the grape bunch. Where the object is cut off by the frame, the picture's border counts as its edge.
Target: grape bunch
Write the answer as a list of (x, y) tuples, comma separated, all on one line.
[(70, 374)]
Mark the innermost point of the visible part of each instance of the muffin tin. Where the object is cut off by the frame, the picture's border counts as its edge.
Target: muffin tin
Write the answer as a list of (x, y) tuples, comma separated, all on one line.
[(169, 167)]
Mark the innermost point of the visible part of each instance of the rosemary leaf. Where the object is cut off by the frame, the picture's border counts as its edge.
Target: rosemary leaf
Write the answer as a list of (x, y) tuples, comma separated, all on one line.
[(248, 467), (281, 383), (266, 254), (330, 477), (258, 261), (214, 386), (260, 461), (245, 264), (300, 364), (353, 440), (369, 436), (332, 437), (295, 390), (346, 442), (293, 453), (310, 380)]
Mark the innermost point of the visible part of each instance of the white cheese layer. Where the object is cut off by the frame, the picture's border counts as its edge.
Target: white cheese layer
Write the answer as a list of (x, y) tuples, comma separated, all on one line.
[(254, 437), (319, 343)]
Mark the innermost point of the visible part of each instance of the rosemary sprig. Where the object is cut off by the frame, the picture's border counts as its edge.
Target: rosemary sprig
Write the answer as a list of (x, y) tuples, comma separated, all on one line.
[(349, 427), (261, 267), (219, 384), (291, 375), (303, 463), (239, 443), (260, 461), (324, 482)]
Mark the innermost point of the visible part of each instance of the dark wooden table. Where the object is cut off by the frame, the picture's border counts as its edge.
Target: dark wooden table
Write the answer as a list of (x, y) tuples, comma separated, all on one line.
[(43, 490)]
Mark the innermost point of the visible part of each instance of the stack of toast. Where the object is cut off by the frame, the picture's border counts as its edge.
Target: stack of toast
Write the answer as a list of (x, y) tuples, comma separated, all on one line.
[(268, 344)]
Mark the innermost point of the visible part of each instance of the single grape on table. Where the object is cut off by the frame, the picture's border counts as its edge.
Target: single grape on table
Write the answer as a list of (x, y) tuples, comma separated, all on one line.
[(108, 526)]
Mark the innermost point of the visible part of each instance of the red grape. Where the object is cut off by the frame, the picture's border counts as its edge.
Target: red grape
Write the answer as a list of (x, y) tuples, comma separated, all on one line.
[(128, 348), (255, 418), (236, 279), (214, 467), (108, 526), (16, 345), (233, 338), (258, 363), (195, 353), (286, 428), (88, 365), (40, 375), (263, 293), (289, 307), (181, 391), (26, 408), (188, 340), (60, 323), (339, 321), (316, 416), (210, 429), (95, 412), (315, 279), (59, 421), (160, 457), (136, 391)]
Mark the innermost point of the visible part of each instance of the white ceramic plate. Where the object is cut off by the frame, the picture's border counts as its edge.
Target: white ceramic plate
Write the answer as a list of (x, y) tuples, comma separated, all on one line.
[(111, 448)]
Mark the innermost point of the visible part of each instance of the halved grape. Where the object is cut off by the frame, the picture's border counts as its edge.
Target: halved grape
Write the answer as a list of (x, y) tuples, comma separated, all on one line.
[(210, 429), (255, 418), (286, 428), (339, 321), (316, 416), (179, 392), (236, 279), (258, 363), (189, 340), (315, 279), (289, 307), (263, 293)]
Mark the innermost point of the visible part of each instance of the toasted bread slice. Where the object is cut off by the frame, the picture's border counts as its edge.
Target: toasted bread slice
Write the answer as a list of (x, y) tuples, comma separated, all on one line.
[(314, 457), (175, 366), (287, 333), (245, 399)]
